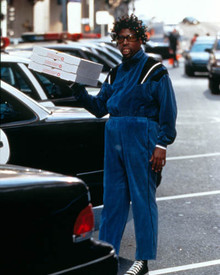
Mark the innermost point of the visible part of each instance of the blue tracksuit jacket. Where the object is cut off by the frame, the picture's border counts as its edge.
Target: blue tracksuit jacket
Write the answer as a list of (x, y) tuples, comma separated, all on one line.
[(142, 114)]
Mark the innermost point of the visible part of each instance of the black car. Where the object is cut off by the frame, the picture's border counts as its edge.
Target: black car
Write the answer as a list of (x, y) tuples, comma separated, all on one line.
[(214, 67), (59, 139), (46, 226), (161, 48)]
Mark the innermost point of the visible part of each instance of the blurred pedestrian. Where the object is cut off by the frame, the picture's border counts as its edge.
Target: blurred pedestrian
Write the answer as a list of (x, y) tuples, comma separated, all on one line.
[(193, 40), (174, 38), (27, 26), (140, 100)]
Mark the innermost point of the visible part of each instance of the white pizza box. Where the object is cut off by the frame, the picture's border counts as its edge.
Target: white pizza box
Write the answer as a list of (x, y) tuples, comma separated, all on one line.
[(86, 67), (76, 69), (62, 74)]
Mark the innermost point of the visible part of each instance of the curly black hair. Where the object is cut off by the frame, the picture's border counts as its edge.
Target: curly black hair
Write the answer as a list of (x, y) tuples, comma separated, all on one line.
[(130, 22)]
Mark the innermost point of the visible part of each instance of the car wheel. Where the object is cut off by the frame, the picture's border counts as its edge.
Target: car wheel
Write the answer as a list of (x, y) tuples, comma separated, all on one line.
[(189, 71), (214, 86)]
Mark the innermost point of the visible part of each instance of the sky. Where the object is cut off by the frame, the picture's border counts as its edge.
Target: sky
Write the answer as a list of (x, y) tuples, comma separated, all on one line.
[(173, 11)]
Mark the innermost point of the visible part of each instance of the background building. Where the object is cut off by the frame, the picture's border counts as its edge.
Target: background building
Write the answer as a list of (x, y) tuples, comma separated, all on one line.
[(40, 16)]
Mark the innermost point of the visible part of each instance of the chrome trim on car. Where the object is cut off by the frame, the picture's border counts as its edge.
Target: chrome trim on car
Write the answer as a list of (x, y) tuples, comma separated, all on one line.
[(87, 173), (82, 237), (84, 265)]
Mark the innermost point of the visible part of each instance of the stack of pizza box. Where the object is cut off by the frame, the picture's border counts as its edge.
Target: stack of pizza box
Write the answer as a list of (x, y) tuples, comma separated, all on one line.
[(65, 66)]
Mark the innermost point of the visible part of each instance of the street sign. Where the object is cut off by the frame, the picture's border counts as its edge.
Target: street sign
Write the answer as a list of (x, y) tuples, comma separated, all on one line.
[(102, 17)]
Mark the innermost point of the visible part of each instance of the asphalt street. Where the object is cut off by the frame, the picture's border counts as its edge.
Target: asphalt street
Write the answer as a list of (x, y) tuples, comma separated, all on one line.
[(189, 195)]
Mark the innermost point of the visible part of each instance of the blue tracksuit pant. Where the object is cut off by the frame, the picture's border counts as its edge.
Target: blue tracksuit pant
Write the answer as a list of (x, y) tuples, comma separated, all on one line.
[(128, 177)]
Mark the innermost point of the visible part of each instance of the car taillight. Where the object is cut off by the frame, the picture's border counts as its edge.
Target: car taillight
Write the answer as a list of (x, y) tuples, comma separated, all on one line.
[(5, 42), (52, 36), (84, 223), (91, 35)]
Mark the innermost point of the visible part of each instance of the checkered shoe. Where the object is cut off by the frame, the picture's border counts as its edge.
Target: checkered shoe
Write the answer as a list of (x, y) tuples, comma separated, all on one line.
[(138, 268)]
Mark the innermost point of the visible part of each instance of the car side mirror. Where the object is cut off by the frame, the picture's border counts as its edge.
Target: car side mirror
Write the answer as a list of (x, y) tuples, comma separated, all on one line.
[(208, 50), (4, 148), (185, 53)]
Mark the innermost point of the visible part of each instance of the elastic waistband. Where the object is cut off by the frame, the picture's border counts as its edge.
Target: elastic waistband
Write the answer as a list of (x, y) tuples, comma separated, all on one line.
[(133, 116)]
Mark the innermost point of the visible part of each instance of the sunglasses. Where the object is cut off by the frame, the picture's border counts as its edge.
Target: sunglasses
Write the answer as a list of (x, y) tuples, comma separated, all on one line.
[(129, 38)]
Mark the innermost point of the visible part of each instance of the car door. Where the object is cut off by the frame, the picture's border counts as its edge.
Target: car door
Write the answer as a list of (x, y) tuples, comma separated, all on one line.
[(72, 147)]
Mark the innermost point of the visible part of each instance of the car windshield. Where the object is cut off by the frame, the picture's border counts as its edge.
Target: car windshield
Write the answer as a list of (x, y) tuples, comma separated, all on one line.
[(218, 45), (13, 110), (105, 55), (52, 89), (200, 47)]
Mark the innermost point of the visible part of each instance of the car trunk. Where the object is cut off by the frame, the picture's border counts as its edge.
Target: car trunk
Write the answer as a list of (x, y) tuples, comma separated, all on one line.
[(37, 222)]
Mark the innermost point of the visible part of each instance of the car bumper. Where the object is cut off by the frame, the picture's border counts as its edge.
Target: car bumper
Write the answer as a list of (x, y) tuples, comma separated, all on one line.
[(89, 257), (215, 73), (106, 264), (197, 67)]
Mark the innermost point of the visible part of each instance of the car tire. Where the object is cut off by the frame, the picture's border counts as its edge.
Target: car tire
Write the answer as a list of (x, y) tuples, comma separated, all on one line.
[(214, 86), (189, 71)]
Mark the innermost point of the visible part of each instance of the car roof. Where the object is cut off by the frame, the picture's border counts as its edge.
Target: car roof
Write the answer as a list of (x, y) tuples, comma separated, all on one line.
[(65, 47), (68, 46), (205, 39), (39, 109), (50, 114), (14, 58), (29, 46)]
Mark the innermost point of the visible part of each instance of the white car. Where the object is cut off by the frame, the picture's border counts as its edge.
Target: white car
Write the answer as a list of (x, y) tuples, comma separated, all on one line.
[(72, 48), (15, 71)]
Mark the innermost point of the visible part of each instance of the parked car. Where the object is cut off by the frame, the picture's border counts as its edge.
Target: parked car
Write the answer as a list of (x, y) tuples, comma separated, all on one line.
[(59, 139), (214, 67), (75, 49), (160, 48), (196, 59), (112, 49), (46, 90), (169, 27), (102, 51), (190, 20), (46, 226)]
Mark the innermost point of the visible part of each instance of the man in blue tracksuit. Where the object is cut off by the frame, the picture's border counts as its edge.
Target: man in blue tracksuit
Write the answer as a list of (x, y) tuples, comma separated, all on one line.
[(139, 97)]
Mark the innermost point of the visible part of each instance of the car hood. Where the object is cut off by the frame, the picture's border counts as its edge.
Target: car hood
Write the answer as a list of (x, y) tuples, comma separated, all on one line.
[(156, 44), (199, 55), (68, 113)]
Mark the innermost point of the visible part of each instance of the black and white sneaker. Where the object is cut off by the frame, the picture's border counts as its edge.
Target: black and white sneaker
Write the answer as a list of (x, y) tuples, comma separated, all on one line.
[(138, 268)]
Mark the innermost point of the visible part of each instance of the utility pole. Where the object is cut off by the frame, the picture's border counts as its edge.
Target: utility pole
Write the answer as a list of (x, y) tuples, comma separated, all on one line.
[(91, 14), (64, 14), (3, 10), (133, 6)]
